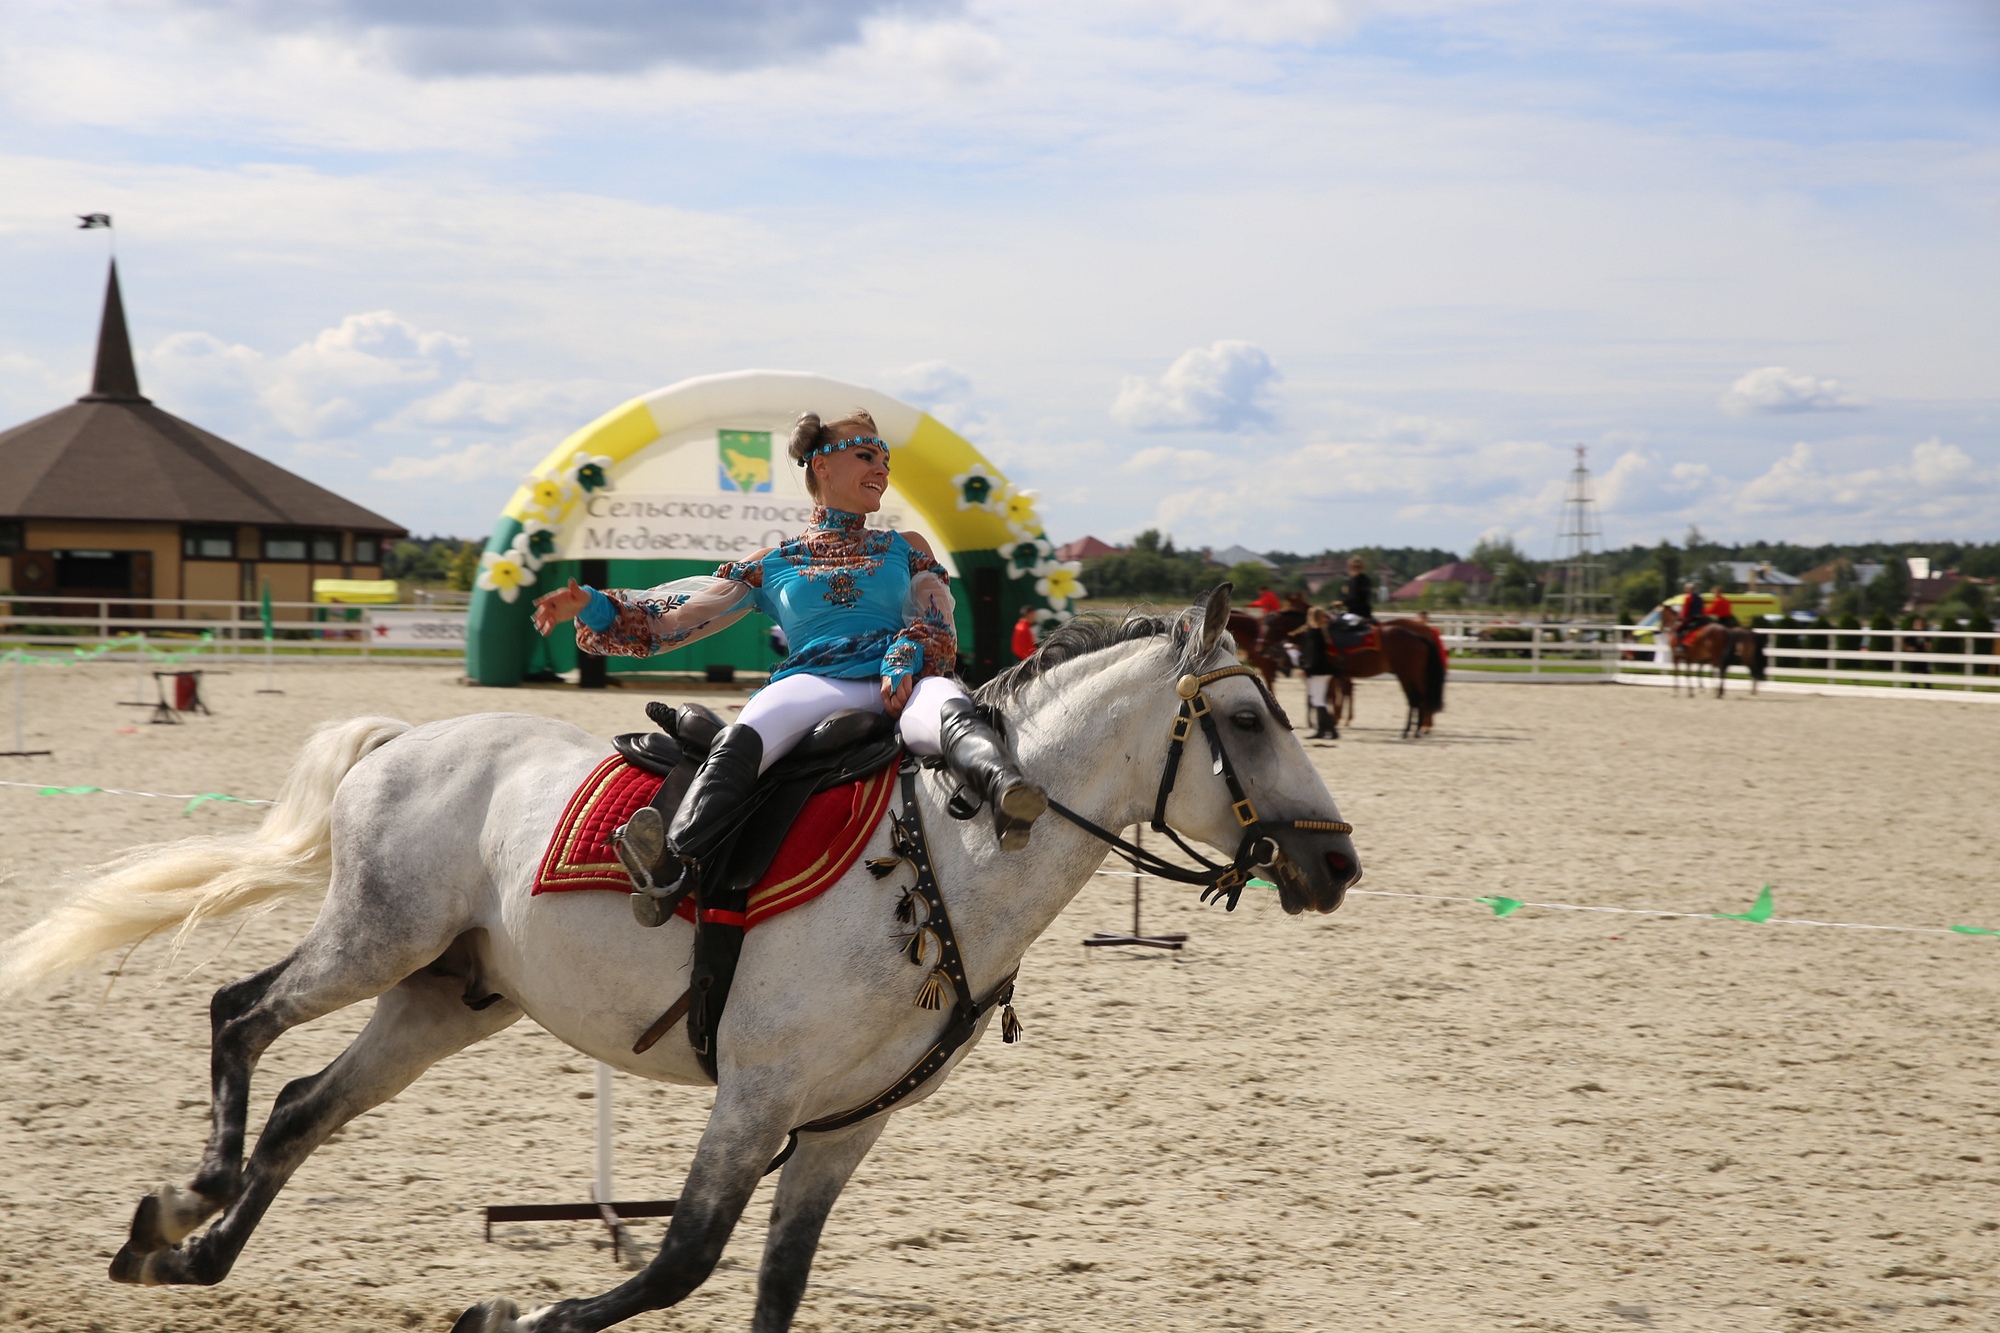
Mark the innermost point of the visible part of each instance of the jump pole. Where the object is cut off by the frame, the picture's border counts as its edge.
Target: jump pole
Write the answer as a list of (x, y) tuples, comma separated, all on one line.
[(1138, 939), (602, 1207), (20, 750)]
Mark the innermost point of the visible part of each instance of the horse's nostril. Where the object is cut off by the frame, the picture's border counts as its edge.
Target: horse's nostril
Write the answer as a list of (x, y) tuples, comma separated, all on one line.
[(1342, 867)]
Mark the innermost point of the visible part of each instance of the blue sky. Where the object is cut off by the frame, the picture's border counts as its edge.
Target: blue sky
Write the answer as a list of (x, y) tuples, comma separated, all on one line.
[(1294, 273)]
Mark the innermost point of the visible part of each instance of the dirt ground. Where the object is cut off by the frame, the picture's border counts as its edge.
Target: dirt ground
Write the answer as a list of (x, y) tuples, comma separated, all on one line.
[(1409, 1115)]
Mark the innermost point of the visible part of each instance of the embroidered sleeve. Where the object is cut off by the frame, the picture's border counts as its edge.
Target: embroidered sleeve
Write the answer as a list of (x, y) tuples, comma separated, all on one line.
[(928, 644), (663, 618)]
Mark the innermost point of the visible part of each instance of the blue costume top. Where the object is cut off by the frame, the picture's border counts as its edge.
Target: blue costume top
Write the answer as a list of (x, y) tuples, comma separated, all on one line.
[(854, 603)]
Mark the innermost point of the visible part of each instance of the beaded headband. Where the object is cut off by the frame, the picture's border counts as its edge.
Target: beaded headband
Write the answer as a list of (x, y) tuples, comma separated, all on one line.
[(847, 443)]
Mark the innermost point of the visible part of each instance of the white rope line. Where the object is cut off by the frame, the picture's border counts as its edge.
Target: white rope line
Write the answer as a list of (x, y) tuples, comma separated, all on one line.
[(1620, 911), (83, 789), (1649, 911)]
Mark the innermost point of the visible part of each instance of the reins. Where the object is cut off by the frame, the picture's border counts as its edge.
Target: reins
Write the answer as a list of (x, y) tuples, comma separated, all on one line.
[(1220, 879)]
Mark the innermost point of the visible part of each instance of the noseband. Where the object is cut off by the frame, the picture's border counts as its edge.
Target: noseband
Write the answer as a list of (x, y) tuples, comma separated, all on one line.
[(1220, 880)]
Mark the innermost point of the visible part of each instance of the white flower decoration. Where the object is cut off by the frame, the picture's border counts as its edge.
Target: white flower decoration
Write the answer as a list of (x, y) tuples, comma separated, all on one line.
[(1017, 508), (547, 498), (1031, 556), (977, 488), (503, 572), (523, 552), (1061, 585), (589, 472)]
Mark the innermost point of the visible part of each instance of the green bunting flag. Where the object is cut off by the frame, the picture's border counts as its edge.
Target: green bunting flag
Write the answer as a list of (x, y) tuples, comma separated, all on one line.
[(1975, 930), (1759, 913), (1501, 905)]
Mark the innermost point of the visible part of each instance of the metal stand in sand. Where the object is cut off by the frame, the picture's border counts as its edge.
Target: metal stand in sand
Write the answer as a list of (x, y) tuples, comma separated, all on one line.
[(269, 687), (20, 750), (602, 1206), (1138, 938)]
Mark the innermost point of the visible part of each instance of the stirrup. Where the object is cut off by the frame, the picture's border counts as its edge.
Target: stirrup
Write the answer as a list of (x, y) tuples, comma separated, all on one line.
[(1014, 814)]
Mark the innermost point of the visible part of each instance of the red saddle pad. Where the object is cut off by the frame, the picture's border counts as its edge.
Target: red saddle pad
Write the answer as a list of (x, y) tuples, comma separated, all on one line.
[(824, 843)]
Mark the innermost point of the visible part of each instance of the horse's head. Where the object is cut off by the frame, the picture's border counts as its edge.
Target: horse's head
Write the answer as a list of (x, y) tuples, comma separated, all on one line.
[(1285, 804)]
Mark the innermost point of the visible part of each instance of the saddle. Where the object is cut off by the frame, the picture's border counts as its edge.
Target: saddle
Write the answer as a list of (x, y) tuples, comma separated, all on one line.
[(1350, 634), (844, 748)]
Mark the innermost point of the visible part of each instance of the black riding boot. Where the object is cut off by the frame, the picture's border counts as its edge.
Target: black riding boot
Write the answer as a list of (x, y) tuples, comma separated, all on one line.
[(665, 864), (977, 757), (1326, 730)]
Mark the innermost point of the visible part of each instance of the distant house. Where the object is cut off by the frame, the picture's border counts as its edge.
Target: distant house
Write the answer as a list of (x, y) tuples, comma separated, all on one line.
[(1760, 576), (1476, 580), (1230, 557), (1927, 593), (112, 497), (1086, 548), (1322, 572)]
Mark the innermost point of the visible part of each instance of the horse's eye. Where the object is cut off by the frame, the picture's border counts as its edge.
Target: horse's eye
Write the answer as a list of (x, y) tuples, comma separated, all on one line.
[(1247, 719)]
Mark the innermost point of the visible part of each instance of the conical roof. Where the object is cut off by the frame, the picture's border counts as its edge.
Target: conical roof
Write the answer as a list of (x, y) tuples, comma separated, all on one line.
[(113, 455)]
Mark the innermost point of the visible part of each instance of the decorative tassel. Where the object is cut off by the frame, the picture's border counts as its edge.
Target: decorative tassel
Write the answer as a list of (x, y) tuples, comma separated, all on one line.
[(1010, 1026), (915, 948), (884, 866), (906, 909), (932, 995)]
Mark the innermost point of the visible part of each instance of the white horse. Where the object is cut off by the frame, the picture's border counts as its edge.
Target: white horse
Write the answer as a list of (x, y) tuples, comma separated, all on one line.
[(426, 841)]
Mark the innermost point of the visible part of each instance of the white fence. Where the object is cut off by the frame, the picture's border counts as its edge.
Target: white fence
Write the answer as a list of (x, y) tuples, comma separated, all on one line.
[(1798, 657), (129, 629)]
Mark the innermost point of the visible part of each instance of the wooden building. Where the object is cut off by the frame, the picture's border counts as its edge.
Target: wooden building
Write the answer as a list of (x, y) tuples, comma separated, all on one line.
[(111, 497)]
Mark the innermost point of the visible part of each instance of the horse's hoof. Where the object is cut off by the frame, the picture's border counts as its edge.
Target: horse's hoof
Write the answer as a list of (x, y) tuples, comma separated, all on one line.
[(486, 1317), (497, 1316), (165, 1218), (129, 1266)]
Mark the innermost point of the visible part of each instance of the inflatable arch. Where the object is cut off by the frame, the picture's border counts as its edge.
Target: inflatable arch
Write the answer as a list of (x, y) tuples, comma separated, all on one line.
[(676, 481)]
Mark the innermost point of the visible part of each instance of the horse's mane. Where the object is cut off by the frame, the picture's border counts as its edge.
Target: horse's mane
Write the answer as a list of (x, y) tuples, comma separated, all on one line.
[(1093, 634)]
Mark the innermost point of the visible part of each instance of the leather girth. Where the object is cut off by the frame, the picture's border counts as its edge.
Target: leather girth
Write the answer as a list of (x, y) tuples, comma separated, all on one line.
[(846, 747)]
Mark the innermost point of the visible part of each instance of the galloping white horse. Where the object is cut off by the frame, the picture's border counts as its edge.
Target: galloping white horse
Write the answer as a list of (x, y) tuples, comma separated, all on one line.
[(430, 837)]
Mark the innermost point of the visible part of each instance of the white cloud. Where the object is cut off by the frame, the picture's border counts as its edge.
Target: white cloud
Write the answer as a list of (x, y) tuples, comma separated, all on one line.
[(432, 38), (1777, 389), (366, 368), (475, 462), (1269, 21), (1224, 386), (1938, 489)]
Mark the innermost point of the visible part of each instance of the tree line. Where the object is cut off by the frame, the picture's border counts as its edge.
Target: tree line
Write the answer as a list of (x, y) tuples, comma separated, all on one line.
[(1638, 577)]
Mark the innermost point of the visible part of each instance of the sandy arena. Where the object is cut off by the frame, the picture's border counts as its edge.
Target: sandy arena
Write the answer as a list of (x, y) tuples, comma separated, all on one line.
[(1409, 1115)]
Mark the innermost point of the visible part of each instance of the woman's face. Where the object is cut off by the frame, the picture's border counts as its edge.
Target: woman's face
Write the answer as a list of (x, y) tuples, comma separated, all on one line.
[(853, 478)]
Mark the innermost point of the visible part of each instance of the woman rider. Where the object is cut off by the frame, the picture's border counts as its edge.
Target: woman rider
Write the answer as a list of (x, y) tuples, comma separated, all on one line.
[(868, 615), (1358, 595)]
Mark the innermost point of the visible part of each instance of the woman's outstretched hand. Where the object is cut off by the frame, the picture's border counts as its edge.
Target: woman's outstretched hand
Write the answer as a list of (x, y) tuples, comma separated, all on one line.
[(895, 698), (553, 608)]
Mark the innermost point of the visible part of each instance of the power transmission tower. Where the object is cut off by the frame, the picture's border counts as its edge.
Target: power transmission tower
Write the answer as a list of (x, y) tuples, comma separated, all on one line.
[(1582, 595)]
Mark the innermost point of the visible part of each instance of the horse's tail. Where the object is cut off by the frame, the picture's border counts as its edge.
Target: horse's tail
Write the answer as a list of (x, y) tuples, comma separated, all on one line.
[(1434, 668), (1756, 656), (178, 885)]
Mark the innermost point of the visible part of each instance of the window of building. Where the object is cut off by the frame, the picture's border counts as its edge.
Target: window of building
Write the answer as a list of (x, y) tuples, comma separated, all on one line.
[(13, 536), (208, 543), (284, 546), (367, 551), (326, 547)]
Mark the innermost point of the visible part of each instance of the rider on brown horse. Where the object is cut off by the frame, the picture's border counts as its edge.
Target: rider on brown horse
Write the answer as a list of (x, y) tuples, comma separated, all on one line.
[(1358, 593)]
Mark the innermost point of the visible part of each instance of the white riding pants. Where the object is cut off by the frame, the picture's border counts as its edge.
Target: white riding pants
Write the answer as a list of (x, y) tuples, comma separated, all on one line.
[(783, 712), (1316, 690)]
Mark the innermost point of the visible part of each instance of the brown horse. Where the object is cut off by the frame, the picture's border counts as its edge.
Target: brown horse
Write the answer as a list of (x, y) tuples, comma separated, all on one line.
[(1262, 640), (1713, 644), (1414, 654)]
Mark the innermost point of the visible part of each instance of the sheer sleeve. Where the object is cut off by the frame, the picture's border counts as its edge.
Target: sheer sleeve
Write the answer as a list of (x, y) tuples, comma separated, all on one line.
[(663, 618), (928, 645)]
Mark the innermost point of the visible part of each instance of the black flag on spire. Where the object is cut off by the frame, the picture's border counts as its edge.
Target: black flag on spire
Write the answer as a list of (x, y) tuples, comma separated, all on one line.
[(91, 221)]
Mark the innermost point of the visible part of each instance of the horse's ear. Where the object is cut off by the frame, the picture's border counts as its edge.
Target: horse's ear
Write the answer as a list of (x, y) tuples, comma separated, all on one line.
[(1215, 617)]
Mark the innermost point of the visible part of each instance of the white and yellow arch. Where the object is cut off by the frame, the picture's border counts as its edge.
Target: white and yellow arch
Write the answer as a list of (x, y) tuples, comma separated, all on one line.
[(680, 439)]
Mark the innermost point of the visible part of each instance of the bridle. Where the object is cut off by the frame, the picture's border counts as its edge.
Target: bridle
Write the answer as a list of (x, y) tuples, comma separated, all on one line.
[(1221, 880)]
